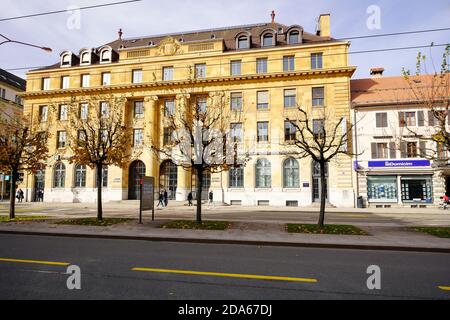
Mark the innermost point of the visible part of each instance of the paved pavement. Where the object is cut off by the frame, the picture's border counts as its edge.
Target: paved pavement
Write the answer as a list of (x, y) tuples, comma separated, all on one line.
[(256, 233), (393, 217), (107, 271)]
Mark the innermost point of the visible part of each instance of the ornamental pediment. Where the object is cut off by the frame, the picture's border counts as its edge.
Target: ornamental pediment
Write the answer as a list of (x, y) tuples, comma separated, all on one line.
[(169, 47)]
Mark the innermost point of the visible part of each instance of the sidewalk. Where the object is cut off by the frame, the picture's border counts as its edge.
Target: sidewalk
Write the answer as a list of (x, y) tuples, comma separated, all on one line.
[(245, 233)]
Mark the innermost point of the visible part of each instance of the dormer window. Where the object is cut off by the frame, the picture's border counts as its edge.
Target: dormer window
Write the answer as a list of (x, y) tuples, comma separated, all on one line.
[(268, 39), (105, 55), (66, 59), (294, 37), (243, 42)]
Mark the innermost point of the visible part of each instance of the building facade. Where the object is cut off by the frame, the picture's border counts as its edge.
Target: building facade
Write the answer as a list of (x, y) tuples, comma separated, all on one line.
[(266, 69), (11, 109), (394, 165)]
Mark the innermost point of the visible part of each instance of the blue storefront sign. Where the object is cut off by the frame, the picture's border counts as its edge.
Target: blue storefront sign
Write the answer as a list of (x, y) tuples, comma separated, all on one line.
[(399, 163)]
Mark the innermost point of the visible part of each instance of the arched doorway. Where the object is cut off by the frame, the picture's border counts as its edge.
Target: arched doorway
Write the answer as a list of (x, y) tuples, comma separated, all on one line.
[(316, 184), (136, 172), (39, 185), (168, 178)]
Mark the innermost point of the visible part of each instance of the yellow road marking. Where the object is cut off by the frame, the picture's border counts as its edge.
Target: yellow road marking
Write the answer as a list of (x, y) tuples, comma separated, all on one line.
[(231, 275), (35, 262), (445, 288)]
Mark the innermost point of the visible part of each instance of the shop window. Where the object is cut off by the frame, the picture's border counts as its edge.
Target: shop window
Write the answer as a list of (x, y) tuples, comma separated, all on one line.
[(417, 188), (382, 188)]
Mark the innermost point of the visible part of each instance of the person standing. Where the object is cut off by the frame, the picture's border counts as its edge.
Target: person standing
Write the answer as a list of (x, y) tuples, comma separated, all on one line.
[(20, 195), (190, 198), (166, 198), (210, 199), (160, 199)]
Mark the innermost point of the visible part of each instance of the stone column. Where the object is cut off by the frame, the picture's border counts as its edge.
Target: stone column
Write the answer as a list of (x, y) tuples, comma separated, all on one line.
[(183, 179)]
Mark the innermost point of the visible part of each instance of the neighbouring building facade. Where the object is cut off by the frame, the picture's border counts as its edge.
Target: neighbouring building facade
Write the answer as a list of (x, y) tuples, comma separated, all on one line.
[(11, 108), (266, 69), (393, 164)]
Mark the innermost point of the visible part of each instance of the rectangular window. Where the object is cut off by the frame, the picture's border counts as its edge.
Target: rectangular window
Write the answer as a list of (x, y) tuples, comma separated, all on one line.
[(262, 100), (61, 139), (316, 61), (200, 71), (104, 109), (236, 101), (235, 68), (382, 188), (201, 104), (408, 149), (288, 63), (167, 136), (104, 135), (441, 151), (81, 137), (84, 110), (236, 132), (2, 93), (62, 112), (289, 131), (318, 96), (65, 82), (104, 178), (169, 107), (381, 120), (45, 84), (263, 131), (167, 73), (137, 76), (43, 111), (380, 150), (318, 127), (138, 136), (407, 119), (236, 177), (85, 79), (106, 78), (290, 98), (261, 65), (139, 109)]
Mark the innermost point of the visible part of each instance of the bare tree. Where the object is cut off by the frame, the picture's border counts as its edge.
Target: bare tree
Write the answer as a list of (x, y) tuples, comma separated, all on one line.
[(22, 148), (198, 137), (98, 135), (431, 91), (321, 136)]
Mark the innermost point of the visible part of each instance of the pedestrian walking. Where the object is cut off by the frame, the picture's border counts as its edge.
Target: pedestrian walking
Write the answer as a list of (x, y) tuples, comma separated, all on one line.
[(210, 199), (20, 195), (190, 199), (166, 198), (161, 199)]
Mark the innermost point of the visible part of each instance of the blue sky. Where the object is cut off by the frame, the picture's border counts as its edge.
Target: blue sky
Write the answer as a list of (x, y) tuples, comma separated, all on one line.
[(99, 26)]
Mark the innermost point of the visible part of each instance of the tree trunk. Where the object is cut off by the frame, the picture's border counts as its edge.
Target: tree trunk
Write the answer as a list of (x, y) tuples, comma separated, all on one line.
[(323, 192), (99, 191), (12, 197), (199, 193)]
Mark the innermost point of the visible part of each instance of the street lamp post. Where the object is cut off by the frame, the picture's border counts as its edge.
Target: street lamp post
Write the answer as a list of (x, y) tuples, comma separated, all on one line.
[(8, 40)]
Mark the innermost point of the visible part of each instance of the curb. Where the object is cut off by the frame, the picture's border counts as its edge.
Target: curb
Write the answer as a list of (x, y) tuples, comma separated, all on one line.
[(236, 242)]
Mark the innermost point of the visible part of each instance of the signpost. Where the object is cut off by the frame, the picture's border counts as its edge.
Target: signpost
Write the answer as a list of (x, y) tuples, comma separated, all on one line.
[(147, 201)]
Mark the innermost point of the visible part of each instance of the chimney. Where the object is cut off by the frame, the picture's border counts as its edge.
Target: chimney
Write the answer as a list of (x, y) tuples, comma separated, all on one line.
[(323, 25), (376, 72)]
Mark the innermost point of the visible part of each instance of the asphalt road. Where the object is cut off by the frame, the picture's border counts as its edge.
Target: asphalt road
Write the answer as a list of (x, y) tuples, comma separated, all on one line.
[(106, 271)]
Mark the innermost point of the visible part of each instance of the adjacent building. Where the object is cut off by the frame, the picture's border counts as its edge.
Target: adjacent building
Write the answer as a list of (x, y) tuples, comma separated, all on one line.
[(267, 69), (392, 162), (11, 108)]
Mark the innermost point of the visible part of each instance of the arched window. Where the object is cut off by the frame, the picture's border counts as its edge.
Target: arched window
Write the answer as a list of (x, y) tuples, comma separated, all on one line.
[(60, 175), (104, 177), (294, 37), (105, 55), (243, 42), (263, 173), (236, 177), (291, 173), (268, 39), (65, 60), (80, 176), (85, 58)]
